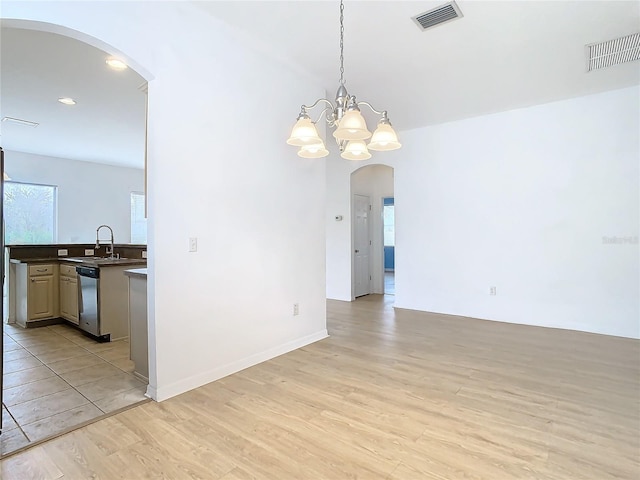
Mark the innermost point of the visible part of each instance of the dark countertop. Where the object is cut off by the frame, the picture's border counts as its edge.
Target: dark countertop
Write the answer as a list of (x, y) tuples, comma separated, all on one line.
[(68, 245), (106, 262), (86, 261), (36, 260)]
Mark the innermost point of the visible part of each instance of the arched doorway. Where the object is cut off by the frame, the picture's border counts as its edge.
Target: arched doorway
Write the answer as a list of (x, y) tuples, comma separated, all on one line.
[(370, 186), (48, 381)]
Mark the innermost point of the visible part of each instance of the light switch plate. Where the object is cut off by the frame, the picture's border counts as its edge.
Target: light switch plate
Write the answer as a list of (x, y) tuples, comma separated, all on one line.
[(88, 252), (63, 252), (144, 254)]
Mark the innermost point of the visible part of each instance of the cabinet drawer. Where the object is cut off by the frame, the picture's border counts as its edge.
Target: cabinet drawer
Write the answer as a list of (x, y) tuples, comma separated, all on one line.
[(68, 270), (35, 270)]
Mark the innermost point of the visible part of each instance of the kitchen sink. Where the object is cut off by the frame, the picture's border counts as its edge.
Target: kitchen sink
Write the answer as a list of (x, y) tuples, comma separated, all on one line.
[(97, 260), (103, 261)]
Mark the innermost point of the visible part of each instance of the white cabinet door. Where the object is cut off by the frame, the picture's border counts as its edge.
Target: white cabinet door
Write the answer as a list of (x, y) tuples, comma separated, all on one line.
[(40, 297)]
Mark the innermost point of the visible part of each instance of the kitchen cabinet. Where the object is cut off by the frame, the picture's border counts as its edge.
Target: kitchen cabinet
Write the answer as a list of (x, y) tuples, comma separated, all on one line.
[(113, 292), (37, 292), (44, 291), (69, 293), (138, 337)]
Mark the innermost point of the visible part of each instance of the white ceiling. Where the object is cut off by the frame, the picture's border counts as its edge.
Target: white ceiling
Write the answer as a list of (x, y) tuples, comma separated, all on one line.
[(501, 55), (105, 126)]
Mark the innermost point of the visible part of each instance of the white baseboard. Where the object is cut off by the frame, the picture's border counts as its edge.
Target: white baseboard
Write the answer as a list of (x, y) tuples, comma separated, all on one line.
[(165, 392)]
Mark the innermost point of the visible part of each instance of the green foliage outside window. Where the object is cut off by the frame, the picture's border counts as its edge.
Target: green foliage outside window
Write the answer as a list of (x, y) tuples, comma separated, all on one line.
[(29, 213)]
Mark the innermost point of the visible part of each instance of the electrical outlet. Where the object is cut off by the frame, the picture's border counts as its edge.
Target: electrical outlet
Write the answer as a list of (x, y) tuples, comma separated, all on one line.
[(296, 309), (63, 252), (492, 290), (193, 244), (89, 252), (144, 254)]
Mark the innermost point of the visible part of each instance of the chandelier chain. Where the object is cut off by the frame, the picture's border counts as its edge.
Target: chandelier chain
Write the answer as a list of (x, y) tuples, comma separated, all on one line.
[(341, 42)]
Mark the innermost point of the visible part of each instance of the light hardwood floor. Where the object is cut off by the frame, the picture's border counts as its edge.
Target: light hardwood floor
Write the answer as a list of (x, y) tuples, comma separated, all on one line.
[(390, 395)]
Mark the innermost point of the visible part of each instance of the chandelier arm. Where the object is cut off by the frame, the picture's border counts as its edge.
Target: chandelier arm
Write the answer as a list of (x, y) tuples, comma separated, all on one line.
[(317, 102), (378, 112), (325, 110)]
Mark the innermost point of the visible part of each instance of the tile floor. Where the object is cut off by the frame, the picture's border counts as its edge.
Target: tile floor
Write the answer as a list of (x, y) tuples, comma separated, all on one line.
[(56, 378)]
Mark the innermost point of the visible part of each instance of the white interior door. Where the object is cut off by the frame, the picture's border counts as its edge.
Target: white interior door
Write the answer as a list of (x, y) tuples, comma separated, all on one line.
[(362, 245)]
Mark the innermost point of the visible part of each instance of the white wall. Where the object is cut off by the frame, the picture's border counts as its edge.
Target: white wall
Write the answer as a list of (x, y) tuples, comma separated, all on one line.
[(339, 237), (375, 182), (520, 200), (89, 194), (219, 170)]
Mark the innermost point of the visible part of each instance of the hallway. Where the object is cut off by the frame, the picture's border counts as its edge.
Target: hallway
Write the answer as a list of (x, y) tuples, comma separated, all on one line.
[(389, 283)]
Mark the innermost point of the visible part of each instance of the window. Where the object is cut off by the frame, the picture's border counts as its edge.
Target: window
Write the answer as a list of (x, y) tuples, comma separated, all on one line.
[(30, 213), (138, 221), (388, 219)]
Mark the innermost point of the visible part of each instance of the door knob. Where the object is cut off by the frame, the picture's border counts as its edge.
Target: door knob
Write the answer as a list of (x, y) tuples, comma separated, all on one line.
[(357, 251)]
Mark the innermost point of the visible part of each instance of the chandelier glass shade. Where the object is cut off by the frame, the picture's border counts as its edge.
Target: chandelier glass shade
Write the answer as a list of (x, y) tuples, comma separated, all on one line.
[(345, 116), (384, 138), (304, 133), (352, 126), (313, 151), (356, 150)]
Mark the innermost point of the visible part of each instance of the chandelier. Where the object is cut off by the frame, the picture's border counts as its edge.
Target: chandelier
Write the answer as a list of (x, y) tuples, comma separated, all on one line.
[(344, 114)]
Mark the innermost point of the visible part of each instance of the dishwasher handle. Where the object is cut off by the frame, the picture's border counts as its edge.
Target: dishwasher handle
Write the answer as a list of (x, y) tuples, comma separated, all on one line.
[(91, 272)]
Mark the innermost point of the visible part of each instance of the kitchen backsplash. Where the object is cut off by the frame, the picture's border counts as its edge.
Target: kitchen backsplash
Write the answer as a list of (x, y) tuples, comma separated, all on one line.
[(23, 252)]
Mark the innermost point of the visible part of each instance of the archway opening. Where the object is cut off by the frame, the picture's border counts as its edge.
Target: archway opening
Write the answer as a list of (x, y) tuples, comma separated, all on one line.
[(370, 186), (60, 356)]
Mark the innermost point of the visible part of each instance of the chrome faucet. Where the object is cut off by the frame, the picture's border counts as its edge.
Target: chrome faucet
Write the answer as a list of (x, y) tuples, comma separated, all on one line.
[(109, 247)]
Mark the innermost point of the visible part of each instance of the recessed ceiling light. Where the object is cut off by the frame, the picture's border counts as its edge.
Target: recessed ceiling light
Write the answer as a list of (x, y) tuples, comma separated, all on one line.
[(67, 100), (116, 64)]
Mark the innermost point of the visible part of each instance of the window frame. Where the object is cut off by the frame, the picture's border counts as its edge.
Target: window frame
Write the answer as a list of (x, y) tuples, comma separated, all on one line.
[(141, 220), (54, 206), (384, 225)]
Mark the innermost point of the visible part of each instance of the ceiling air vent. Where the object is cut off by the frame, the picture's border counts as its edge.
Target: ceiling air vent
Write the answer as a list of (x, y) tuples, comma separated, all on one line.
[(613, 52), (19, 121), (437, 16)]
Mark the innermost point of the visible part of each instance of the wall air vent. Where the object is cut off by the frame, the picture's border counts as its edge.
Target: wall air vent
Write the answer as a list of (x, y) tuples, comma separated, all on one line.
[(19, 121), (613, 52), (438, 16)]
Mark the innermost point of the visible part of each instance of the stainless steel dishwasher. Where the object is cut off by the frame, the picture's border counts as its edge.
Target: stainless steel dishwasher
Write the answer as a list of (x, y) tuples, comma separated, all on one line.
[(89, 301)]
